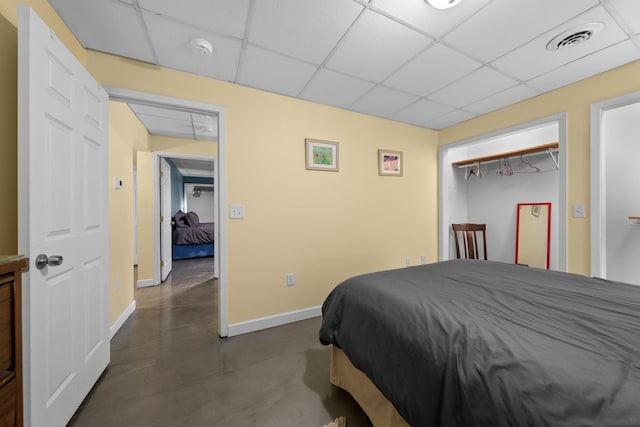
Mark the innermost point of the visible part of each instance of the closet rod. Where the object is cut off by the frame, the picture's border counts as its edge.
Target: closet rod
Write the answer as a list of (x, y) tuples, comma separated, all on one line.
[(549, 148)]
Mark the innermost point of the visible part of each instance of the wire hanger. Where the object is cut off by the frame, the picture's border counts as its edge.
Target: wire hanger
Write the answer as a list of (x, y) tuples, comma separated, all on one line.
[(533, 169)]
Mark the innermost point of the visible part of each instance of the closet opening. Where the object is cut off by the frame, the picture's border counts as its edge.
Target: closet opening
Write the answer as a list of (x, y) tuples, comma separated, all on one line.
[(484, 179)]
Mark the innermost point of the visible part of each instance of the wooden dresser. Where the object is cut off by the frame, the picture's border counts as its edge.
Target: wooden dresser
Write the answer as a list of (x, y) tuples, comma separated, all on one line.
[(11, 340)]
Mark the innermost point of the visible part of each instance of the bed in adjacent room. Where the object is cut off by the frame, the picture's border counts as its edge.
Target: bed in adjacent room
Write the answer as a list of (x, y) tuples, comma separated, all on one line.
[(192, 238), (482, 343)]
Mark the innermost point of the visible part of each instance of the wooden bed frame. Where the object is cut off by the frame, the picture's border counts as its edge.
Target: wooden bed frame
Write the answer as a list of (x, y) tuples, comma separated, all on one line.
[(346, 376)]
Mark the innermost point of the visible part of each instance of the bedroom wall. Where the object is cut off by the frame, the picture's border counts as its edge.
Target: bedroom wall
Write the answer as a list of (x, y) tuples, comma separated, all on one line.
[(177, 188), (322, 226), (8, 137), (575, 100), (125, 132)]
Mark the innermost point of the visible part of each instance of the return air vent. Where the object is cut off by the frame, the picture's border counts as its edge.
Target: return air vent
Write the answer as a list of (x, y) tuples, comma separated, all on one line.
[(574, 36)]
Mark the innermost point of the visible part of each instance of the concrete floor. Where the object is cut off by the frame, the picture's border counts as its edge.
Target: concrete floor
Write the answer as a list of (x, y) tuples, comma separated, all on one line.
[(169, 367)]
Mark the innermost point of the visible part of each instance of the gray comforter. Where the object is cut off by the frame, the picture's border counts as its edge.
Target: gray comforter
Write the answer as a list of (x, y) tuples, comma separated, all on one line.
[(480, 343)]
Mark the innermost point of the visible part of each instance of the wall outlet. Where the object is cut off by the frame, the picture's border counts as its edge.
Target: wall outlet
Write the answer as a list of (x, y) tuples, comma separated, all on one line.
[(423, 260), (236, 211), (579, 211), (407, 262), (291, 279)]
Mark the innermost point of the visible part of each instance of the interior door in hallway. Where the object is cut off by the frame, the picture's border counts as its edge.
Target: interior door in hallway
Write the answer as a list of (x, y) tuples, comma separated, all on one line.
[(63, 223), (165, 220)]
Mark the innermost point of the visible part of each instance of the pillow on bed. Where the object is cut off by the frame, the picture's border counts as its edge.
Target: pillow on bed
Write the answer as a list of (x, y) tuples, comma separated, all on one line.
[(181, 219), (192, 219)]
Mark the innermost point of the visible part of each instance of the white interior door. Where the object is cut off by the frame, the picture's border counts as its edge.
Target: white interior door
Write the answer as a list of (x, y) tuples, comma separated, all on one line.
[(63, 211), (165, 222)]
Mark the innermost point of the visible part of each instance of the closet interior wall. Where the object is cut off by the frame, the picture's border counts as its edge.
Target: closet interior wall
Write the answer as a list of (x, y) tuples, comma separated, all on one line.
[(491, 198)]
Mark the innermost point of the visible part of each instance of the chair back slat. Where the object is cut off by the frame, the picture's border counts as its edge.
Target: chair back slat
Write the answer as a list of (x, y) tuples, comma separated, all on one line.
[(468, 234)]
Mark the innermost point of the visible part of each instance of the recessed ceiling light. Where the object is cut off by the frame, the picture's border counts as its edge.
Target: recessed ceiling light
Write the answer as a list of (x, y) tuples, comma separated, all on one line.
[(574, 36), (202, 46), (443, 4)]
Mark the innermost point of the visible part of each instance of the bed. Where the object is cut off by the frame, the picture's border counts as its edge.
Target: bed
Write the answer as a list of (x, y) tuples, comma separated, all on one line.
[(482, 343), (191, 238)]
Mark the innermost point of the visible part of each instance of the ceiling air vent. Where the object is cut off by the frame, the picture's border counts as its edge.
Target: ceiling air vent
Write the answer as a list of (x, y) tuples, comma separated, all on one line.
[(574, 36)]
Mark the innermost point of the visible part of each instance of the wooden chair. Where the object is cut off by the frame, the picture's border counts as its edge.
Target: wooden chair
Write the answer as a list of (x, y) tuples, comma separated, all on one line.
[(468, 235)]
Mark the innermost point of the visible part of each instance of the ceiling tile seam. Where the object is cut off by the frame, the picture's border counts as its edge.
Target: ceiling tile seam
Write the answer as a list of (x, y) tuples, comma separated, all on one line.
[(430, 45), (336, 46), (402, 22), (145, 31), (578, 59), (525, 42), (245, 40), (191, 25), (617, 17), (193, 126), (78, 39)]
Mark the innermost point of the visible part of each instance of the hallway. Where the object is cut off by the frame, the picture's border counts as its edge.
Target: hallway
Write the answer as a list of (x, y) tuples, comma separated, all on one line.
[(169, 367)]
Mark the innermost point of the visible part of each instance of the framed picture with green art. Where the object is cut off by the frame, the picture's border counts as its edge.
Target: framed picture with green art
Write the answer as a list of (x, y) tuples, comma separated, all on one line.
[(321, 155)]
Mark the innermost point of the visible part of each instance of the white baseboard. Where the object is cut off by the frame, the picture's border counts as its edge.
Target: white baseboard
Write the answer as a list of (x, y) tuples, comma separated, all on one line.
[(144, 283), (271, 321), (113, 330)]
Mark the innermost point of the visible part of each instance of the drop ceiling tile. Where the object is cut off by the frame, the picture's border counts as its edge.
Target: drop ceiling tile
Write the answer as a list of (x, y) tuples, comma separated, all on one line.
[(339, 90), (273, 72), (375, 47), (431, 70), (420, 112), (382, 102), (533, 59), (505, 24), (167, 113), (421, 15), (219, 16), (307, 30), (448, 119), (599, 62), (172, 42), (164, 126), (510, 96), (629, 12), (473, 87), (93, 24)]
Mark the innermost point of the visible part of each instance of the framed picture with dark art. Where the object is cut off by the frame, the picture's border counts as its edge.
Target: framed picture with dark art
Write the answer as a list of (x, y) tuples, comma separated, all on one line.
[(321, 155), (389, 163)]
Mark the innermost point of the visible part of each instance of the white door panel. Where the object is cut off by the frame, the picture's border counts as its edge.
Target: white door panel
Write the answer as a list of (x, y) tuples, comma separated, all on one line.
[(62, 211), (166, 254)]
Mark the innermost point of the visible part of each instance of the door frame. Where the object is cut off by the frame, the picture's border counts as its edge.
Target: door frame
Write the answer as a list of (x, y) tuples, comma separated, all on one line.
[(157, 155), (599, 181), (221, 246), (445, 209)]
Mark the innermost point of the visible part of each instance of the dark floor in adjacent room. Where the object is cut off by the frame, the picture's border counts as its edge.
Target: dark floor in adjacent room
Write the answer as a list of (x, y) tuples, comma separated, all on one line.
[(169, 367)]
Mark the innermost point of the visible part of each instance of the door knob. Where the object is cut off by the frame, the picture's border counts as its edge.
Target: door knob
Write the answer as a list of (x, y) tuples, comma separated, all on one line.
[(42, 261)]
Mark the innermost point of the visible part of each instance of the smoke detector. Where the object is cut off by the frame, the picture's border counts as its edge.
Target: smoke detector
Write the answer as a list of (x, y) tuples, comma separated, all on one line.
[(443, 4), (574, 36), (202, 46)]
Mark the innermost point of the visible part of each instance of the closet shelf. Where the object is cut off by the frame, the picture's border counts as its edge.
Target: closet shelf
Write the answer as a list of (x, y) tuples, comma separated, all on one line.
[(634, 219), (545, 148)]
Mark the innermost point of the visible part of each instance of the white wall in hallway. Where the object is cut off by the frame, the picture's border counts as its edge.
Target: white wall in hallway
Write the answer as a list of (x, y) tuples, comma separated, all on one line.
[(621, 135)]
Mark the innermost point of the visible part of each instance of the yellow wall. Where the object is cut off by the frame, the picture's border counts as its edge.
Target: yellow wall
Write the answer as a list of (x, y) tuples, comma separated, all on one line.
[(180, 145), (575, 100), (8, 137), (125, 132), (322, 226)]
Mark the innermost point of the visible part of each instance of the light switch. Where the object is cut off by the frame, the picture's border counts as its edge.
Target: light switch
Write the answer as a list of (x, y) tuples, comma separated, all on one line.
[(236, 211)]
